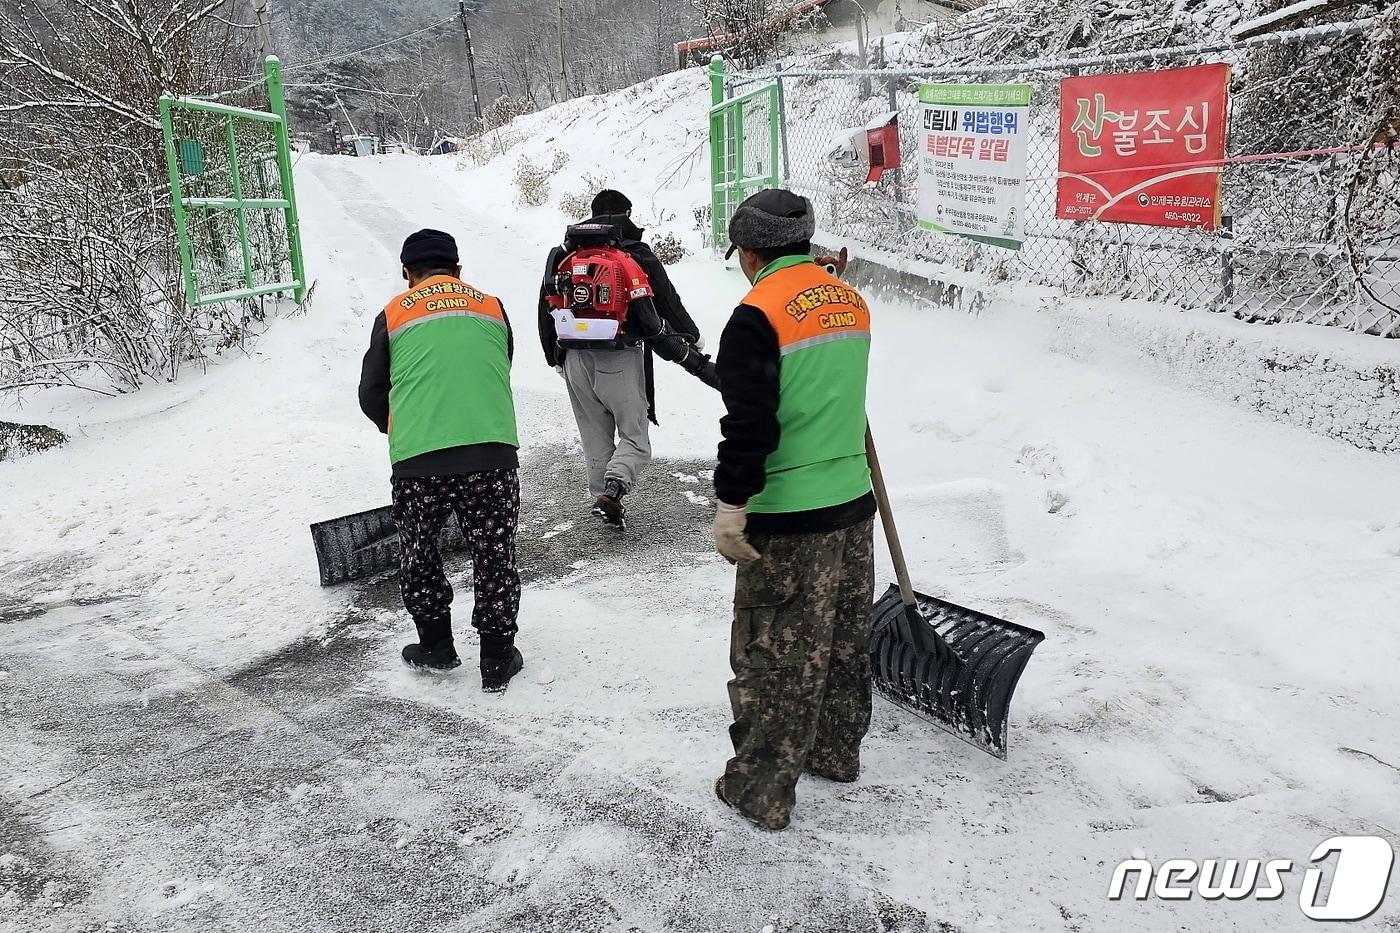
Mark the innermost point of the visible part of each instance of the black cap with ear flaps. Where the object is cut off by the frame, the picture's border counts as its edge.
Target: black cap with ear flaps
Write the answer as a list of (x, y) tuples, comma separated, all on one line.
[(772, 217), (429, 246)]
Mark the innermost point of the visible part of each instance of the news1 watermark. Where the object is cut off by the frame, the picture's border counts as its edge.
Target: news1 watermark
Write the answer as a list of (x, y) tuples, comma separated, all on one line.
[(1359, 868)]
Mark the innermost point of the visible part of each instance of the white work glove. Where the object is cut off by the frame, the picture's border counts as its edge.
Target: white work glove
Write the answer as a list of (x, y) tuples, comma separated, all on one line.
[(730, 540), (560, 371)]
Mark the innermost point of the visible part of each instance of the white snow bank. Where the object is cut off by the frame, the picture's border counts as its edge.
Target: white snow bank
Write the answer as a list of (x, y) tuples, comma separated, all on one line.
[(1339, 385)]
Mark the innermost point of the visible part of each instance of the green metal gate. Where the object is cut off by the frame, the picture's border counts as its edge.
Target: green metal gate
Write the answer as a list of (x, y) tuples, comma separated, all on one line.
[(232, 194), (744, 147)]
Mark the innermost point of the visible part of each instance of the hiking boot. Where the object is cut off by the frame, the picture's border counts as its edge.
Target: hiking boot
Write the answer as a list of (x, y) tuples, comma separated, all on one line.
[(500, 661), (772, 825), (433, 651), (609, 505)]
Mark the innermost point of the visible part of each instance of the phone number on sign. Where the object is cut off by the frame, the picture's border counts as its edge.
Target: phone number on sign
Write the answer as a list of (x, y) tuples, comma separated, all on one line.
[(1181, 217)]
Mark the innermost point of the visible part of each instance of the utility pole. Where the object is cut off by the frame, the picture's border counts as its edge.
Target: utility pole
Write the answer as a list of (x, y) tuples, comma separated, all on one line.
[(471, 61), (563, 70), (264, 27)]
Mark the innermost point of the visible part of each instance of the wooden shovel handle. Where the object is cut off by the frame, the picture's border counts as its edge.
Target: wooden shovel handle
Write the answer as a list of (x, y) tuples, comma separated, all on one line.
[(882, 499)]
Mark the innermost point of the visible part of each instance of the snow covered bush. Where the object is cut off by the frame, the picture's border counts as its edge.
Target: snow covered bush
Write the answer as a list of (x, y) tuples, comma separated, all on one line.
[(532, 181), (483, 147), (704, 217), (669, 249), (579, 204), (505, 109), (576, 205), (16, 440)]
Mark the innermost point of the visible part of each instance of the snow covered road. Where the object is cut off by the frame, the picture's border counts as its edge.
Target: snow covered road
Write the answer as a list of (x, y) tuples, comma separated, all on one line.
[(197, 738)]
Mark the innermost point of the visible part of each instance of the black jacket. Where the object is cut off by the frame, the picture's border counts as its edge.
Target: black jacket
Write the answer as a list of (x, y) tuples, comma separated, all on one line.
[(748, 378), (374, 402), (667, 300)]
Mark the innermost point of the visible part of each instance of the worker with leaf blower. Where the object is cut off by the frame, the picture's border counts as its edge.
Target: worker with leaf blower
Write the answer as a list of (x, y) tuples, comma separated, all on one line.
[(436, 379), (606, 304), (795, 512)]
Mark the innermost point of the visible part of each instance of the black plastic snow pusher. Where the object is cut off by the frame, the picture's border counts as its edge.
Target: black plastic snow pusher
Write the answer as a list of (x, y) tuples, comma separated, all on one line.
[(365, 544), (954, 666)]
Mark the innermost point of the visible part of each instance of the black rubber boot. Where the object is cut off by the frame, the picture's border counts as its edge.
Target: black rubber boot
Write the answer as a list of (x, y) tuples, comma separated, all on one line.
[(434, 650), (609, 506), (500, 661)]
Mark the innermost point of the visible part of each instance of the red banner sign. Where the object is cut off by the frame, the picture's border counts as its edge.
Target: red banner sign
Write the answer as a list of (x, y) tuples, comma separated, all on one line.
[(1144, 148)]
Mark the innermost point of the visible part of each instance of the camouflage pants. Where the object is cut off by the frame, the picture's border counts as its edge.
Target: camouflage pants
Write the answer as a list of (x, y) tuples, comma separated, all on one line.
[(800, 650)]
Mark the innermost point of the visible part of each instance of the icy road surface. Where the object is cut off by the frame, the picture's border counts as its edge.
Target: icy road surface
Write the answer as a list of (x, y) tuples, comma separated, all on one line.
[(195, 737)]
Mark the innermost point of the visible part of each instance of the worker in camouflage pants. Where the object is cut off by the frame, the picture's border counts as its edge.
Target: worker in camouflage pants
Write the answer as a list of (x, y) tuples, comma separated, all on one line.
[(795, 512), (800, 652)]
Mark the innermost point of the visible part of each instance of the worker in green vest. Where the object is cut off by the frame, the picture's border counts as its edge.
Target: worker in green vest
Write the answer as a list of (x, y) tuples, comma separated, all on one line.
[(795, 512), (436, 379)]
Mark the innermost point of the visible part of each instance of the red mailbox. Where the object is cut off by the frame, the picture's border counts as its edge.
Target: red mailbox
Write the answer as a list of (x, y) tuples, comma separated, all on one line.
[(882, 142)]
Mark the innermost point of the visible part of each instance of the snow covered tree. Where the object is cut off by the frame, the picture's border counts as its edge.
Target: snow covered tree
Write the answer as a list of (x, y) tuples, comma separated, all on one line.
[(1371, 214), (758, 28), (90, 287)]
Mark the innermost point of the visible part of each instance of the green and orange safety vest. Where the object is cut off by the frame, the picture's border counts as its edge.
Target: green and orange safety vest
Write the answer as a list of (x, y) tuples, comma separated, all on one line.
[(823, 328), (449, 369)]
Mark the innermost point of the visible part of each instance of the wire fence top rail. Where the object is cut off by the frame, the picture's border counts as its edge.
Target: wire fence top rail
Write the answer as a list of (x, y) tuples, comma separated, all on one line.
[(228, 110)]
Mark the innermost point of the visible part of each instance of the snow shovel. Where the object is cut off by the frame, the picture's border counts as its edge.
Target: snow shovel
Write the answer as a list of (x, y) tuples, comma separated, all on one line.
[(366, 543), (956, 667)]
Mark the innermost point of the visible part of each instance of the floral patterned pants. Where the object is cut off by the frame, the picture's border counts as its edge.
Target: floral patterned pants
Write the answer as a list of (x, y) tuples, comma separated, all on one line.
[(487, 506)]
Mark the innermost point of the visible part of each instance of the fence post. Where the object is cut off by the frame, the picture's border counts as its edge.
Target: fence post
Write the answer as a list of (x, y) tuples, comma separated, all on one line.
[(719, 147), (734, 191), (277, 101), (782, 123), (716, 80), (774, 137), (1227, 261), (862, 54), (892, 84), (177, 202)]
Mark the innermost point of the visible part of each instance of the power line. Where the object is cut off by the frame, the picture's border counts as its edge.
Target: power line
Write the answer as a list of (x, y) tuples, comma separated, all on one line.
[(343, 55)]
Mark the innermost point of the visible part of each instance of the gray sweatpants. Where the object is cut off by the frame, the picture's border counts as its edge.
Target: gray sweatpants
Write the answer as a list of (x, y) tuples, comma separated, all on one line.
[(609, 394)]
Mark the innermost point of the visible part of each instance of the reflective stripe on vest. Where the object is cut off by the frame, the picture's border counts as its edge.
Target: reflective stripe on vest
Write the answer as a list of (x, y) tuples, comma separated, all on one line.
[(823, 330)]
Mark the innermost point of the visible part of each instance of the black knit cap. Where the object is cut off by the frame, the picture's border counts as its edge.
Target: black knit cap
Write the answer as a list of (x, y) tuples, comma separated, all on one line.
[(429, 246)]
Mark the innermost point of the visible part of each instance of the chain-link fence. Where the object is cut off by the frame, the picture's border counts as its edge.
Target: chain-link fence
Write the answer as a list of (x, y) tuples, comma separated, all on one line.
[(1287, 250)]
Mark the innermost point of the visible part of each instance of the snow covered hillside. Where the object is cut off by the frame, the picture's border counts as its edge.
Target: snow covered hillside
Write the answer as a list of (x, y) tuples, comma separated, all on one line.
[(196, 737)]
